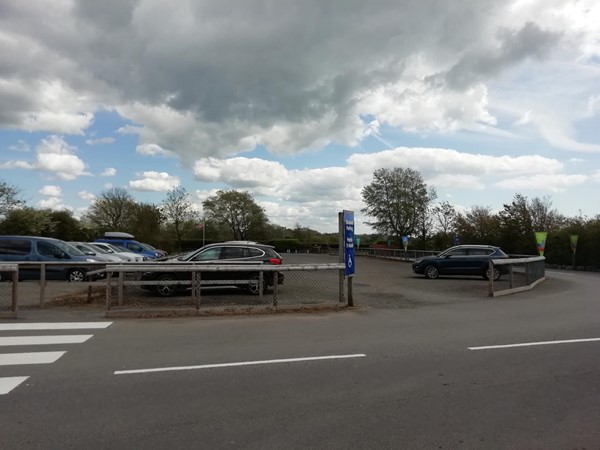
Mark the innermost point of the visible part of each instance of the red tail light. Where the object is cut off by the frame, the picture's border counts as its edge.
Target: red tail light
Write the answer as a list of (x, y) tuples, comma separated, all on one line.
[(276, 261)]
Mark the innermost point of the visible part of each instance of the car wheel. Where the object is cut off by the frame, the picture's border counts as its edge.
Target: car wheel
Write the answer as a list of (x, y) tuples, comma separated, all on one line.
[(165, 288), (431, 272), (254, 284), (76, 275), (486, 274)]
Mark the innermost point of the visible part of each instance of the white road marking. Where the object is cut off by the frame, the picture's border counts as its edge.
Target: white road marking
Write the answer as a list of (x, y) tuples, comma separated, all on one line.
[(13, 359), (237, 364), (44, 340), (531, 344), (53, 326), (7, 384)]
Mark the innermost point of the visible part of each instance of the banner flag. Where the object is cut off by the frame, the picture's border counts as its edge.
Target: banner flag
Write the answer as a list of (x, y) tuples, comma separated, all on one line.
[(573, 238), (540, 240)]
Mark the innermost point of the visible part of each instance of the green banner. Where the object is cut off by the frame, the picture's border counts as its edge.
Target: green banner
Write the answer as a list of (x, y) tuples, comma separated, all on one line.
[(573, 238), (540, 240)]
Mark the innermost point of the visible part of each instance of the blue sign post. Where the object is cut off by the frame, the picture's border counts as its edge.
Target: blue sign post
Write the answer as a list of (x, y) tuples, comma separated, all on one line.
[(349, 252)]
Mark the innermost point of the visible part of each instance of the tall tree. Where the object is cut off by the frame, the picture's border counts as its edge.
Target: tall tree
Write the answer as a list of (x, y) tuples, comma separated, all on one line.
[(478, 226), (517, 233), (397, 199), (145, 223), (237, 211), (543, 216), (112, 210), (9, 198), (178, 210)]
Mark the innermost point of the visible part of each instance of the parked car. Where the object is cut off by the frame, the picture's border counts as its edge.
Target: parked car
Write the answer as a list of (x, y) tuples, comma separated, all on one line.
[(16, 249), (96, 252), (232, 252), (128, 242), (461, 260), (119, 252)]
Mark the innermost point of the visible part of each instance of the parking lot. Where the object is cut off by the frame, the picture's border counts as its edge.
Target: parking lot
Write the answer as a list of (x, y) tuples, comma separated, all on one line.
[(378, 283)]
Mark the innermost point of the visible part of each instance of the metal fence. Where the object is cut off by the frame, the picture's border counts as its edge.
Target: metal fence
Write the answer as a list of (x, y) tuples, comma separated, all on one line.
[(9, 276), (395, 253), (304, 285), (518, 275)]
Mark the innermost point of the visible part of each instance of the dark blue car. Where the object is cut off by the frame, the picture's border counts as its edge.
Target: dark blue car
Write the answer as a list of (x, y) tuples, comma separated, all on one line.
[(461, 260)]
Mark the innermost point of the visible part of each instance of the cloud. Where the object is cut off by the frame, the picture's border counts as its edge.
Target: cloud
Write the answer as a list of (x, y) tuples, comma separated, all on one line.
[(104, 140), (21, 146), (109, 172), (310, 195), (87, 196), (541, 182), (215, 82), (52, 191), (54, 156), (54, 203), (154, 181)]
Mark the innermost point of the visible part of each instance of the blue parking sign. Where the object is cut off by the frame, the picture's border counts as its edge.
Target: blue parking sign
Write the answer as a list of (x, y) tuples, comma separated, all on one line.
[(349, 253)]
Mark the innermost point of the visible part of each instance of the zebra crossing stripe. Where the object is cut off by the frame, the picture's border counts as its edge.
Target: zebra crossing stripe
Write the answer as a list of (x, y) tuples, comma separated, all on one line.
[(53, 326), (44, 340), (13, 359), (7, 384)]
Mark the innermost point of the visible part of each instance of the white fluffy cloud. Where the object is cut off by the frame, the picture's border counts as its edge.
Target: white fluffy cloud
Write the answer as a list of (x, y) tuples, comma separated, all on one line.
[(87, 196), (55, 157), (154, 181), (51, 191), (292, 196), (109, 172)]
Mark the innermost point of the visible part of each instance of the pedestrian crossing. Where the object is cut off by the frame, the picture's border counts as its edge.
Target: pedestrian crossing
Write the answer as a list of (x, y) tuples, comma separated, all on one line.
[(9, 340)]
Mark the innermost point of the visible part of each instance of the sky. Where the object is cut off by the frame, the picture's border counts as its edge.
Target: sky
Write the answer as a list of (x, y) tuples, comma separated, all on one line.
[(299, 102)]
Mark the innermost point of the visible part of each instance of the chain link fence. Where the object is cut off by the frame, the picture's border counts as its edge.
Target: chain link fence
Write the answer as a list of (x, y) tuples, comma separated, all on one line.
[(9, 275), (193, 289)]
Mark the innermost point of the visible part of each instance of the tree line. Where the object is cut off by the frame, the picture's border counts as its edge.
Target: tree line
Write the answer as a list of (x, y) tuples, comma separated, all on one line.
[(397, 203), (170, 225), (401, 204)]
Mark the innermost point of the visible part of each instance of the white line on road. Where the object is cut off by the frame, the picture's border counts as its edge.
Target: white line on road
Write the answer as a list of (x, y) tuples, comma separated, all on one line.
[(531, 344), (237, 364), (7, 384), (13, 359), (53, 326), (44, 340)]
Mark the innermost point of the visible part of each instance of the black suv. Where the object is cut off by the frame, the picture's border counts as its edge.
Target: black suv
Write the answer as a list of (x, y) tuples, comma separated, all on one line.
[(231, 252), (461, 260)]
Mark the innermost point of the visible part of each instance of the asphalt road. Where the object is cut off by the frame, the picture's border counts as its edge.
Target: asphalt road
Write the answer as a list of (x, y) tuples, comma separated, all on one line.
[(406, 370)]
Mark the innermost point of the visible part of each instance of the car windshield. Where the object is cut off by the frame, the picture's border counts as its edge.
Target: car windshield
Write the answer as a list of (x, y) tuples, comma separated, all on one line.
[(120, 249), (69, 249), (97, 249), (187, 256)]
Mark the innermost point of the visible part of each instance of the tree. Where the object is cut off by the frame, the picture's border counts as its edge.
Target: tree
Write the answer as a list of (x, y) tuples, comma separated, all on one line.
[(517, 233), (444, 216), (112, 211), (145, 223), (66, 227), (177, 210), (543, 217), (398, 200), (9, 198), (28, 221), (237, 211), (478, 226)]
